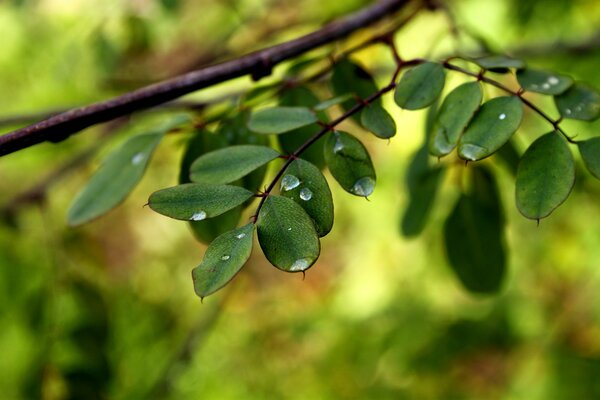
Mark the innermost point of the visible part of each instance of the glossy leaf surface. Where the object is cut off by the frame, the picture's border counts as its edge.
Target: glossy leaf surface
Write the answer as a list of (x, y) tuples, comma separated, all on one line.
[(287, 235), (197, 201), (225, 256), (350, 163), (231, 163), (454, 115), (378, 121), (305, 184), (590, 152), (114, 180), (420, 86), (543, 82), (473, 236), (276, 120), (491, 127), (545, 176), (579, 102)]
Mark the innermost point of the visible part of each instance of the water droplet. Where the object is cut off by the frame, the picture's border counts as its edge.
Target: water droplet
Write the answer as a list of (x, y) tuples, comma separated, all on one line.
[(138, 158), (546, 86), (305, 194), (553, 80), (290, 228), (300, 264), (240, 236), (578, 108), (225, 257), (364, 186), (502, 116), (568, 111), (289, 182), (472, 152), (199, 216), (338, 146)]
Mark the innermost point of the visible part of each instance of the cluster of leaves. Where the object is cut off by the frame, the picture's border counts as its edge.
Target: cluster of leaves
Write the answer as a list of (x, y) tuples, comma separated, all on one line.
[(222, 171)]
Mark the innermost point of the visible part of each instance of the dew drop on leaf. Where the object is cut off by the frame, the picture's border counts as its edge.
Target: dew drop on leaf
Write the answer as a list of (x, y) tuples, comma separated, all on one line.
[(289, 182), (225, 257), (241, 235), (138, 158), (364, 186), (305, 194), (300, 264), (502, 116), (198, 216)]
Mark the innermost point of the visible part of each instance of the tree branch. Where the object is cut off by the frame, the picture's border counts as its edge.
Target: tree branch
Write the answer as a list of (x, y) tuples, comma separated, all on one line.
[(258, 64)]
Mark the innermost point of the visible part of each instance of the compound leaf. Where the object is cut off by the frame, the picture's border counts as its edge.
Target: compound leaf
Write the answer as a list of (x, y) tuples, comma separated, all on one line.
[(350, 163), (420, 86), (287, 235), (545, 176), (197, 201), (223, 259), (305, 184)]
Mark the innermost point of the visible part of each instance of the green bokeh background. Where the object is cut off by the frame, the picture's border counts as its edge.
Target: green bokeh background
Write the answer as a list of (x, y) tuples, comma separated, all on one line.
[(108, 311)]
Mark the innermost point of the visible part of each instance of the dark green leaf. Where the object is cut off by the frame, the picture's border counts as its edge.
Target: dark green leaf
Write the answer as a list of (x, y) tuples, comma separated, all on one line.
[(350, 163), (473, 236), (197, 201), (545, 176), (208, 230), (422, 194), (499, 63), (377, 120), (324, 105), (291, 141), (420, 86), (229, 164), (543, 81), (306, 185), (491, 127), (115, 178), (276, 120), (590, 152), (348, 77), (456, 112), (579, 102), (225, 256), (287, 235), (510, 156)]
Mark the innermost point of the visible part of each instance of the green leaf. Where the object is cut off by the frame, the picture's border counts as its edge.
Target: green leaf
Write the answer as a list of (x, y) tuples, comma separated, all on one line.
[(324, 105), (454, 115), (377, 120), (498, 63), (306, 185), (207, 230), (545, 176), (579, 102), (114, 180), (223, 259), (231, 163), (276, 120), (291, 141), (197, 201), (422, 193), (510, 156), (420, 86), (543, 82), (287, 235), (590, 152), (350, 163), (473, 236), (491, 127)]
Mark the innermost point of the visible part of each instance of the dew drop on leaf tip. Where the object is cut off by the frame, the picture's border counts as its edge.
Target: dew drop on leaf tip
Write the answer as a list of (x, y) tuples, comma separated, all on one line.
[(289, 182), (198, 216)]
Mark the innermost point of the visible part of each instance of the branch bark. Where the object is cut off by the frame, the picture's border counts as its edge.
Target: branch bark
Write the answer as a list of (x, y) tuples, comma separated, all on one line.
[(258, 64)]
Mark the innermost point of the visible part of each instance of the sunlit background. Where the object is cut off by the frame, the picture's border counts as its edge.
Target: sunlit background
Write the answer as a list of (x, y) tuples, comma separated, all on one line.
[(108, 310)]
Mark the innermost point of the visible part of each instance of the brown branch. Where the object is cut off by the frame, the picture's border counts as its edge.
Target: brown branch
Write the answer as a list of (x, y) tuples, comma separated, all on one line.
[(258, 64)]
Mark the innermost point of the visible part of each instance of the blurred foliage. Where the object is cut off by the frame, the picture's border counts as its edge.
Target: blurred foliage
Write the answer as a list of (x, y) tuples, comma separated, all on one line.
[(108, 310)]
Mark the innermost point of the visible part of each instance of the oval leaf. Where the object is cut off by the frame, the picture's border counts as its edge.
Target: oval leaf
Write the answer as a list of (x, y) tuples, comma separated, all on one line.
[(473, 236), (350, 163), (590, 152), (378, 121), (306, 185), (114, 180), (275, 120), (543, 82), (197, 201), (348, 77), (579, 102), (229, 164), (545, 176), (420, 86), (287, 235), (422, 192), (491, 127), (225, 256), (454, 115), (498, 63)]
